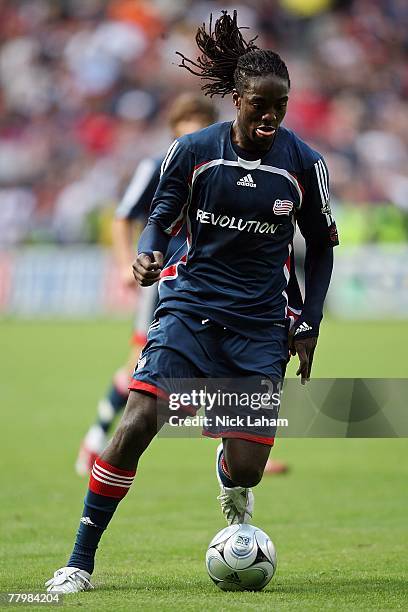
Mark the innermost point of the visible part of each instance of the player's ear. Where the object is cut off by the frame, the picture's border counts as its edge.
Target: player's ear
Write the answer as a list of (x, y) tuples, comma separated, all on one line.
[(236, 98)]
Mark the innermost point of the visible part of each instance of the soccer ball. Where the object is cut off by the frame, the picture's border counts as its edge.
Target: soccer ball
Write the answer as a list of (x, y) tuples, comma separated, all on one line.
[(241, 558)]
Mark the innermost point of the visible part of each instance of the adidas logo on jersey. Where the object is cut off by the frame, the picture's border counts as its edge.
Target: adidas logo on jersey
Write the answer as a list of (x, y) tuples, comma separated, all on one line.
[(303, 327), (246, 181)]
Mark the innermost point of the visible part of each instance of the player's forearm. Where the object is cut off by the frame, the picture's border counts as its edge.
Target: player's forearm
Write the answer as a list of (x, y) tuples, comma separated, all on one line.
[(318, 270), (153, 239), (122, 241)]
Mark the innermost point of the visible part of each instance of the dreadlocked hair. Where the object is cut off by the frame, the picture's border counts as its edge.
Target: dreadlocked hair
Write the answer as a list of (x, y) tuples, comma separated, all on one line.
[(228, 60)]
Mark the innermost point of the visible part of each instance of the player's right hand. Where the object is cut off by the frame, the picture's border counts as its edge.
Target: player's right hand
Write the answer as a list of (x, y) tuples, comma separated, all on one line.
[(147, 268)]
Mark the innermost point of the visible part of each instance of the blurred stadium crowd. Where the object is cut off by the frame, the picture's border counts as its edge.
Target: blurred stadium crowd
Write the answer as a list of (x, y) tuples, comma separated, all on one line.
[(85, 85)]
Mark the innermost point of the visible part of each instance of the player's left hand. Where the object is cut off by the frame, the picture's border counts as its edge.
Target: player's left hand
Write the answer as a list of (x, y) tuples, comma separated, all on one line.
[(303, 344), (305, 350)]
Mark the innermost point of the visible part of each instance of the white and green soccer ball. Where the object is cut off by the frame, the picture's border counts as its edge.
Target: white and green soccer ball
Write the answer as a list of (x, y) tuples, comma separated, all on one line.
[(241, 558)]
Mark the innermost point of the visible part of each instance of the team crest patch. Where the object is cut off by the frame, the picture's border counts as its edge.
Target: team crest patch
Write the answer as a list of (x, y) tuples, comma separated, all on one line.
[(282, 207)]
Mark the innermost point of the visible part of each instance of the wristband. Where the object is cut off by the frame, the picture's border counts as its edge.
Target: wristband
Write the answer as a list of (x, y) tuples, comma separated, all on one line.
[(304, 329)]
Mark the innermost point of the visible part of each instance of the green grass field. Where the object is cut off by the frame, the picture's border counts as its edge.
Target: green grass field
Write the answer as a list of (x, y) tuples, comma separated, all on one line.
[(338, 518)]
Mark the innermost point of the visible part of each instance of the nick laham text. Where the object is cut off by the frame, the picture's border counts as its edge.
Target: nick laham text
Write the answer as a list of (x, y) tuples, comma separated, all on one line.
[(248, 420)]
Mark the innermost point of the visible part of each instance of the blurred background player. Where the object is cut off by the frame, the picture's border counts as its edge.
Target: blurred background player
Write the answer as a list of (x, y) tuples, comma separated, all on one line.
[(188, 113)]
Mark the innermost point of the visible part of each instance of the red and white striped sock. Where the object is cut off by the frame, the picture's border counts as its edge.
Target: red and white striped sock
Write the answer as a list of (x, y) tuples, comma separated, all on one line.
[(109, 480), (224, 472), (224, 466), (108, 485)]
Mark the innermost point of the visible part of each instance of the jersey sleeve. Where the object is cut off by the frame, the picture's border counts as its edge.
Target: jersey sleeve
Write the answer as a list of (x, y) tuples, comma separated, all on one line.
[(137, 198), (315, 218), (169, 206)]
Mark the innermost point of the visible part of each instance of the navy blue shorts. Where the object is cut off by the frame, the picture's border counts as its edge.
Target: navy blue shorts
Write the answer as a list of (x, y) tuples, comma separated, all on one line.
[(180, 346)]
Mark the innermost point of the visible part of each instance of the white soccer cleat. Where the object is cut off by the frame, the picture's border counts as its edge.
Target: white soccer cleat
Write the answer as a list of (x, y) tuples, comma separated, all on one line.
[(237, 503), (91, 447), (69, 580)]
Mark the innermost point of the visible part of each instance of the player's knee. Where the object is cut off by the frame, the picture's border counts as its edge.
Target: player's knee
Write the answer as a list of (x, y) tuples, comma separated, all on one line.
[(245, 475)]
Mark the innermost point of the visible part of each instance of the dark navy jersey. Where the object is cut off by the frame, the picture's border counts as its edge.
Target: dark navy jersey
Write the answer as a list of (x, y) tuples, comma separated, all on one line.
[(241, 217)]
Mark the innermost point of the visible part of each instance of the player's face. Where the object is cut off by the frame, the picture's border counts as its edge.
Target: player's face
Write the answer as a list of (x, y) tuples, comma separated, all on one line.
[(188, 125), (260, 111)]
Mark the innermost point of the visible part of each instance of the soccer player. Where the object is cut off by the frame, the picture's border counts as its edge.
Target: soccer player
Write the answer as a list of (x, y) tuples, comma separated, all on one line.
[(188, 113), (240, 186)]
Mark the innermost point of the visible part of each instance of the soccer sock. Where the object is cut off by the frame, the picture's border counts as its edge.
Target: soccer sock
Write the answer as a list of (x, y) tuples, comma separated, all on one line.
[(107, 486), (224, 473)]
